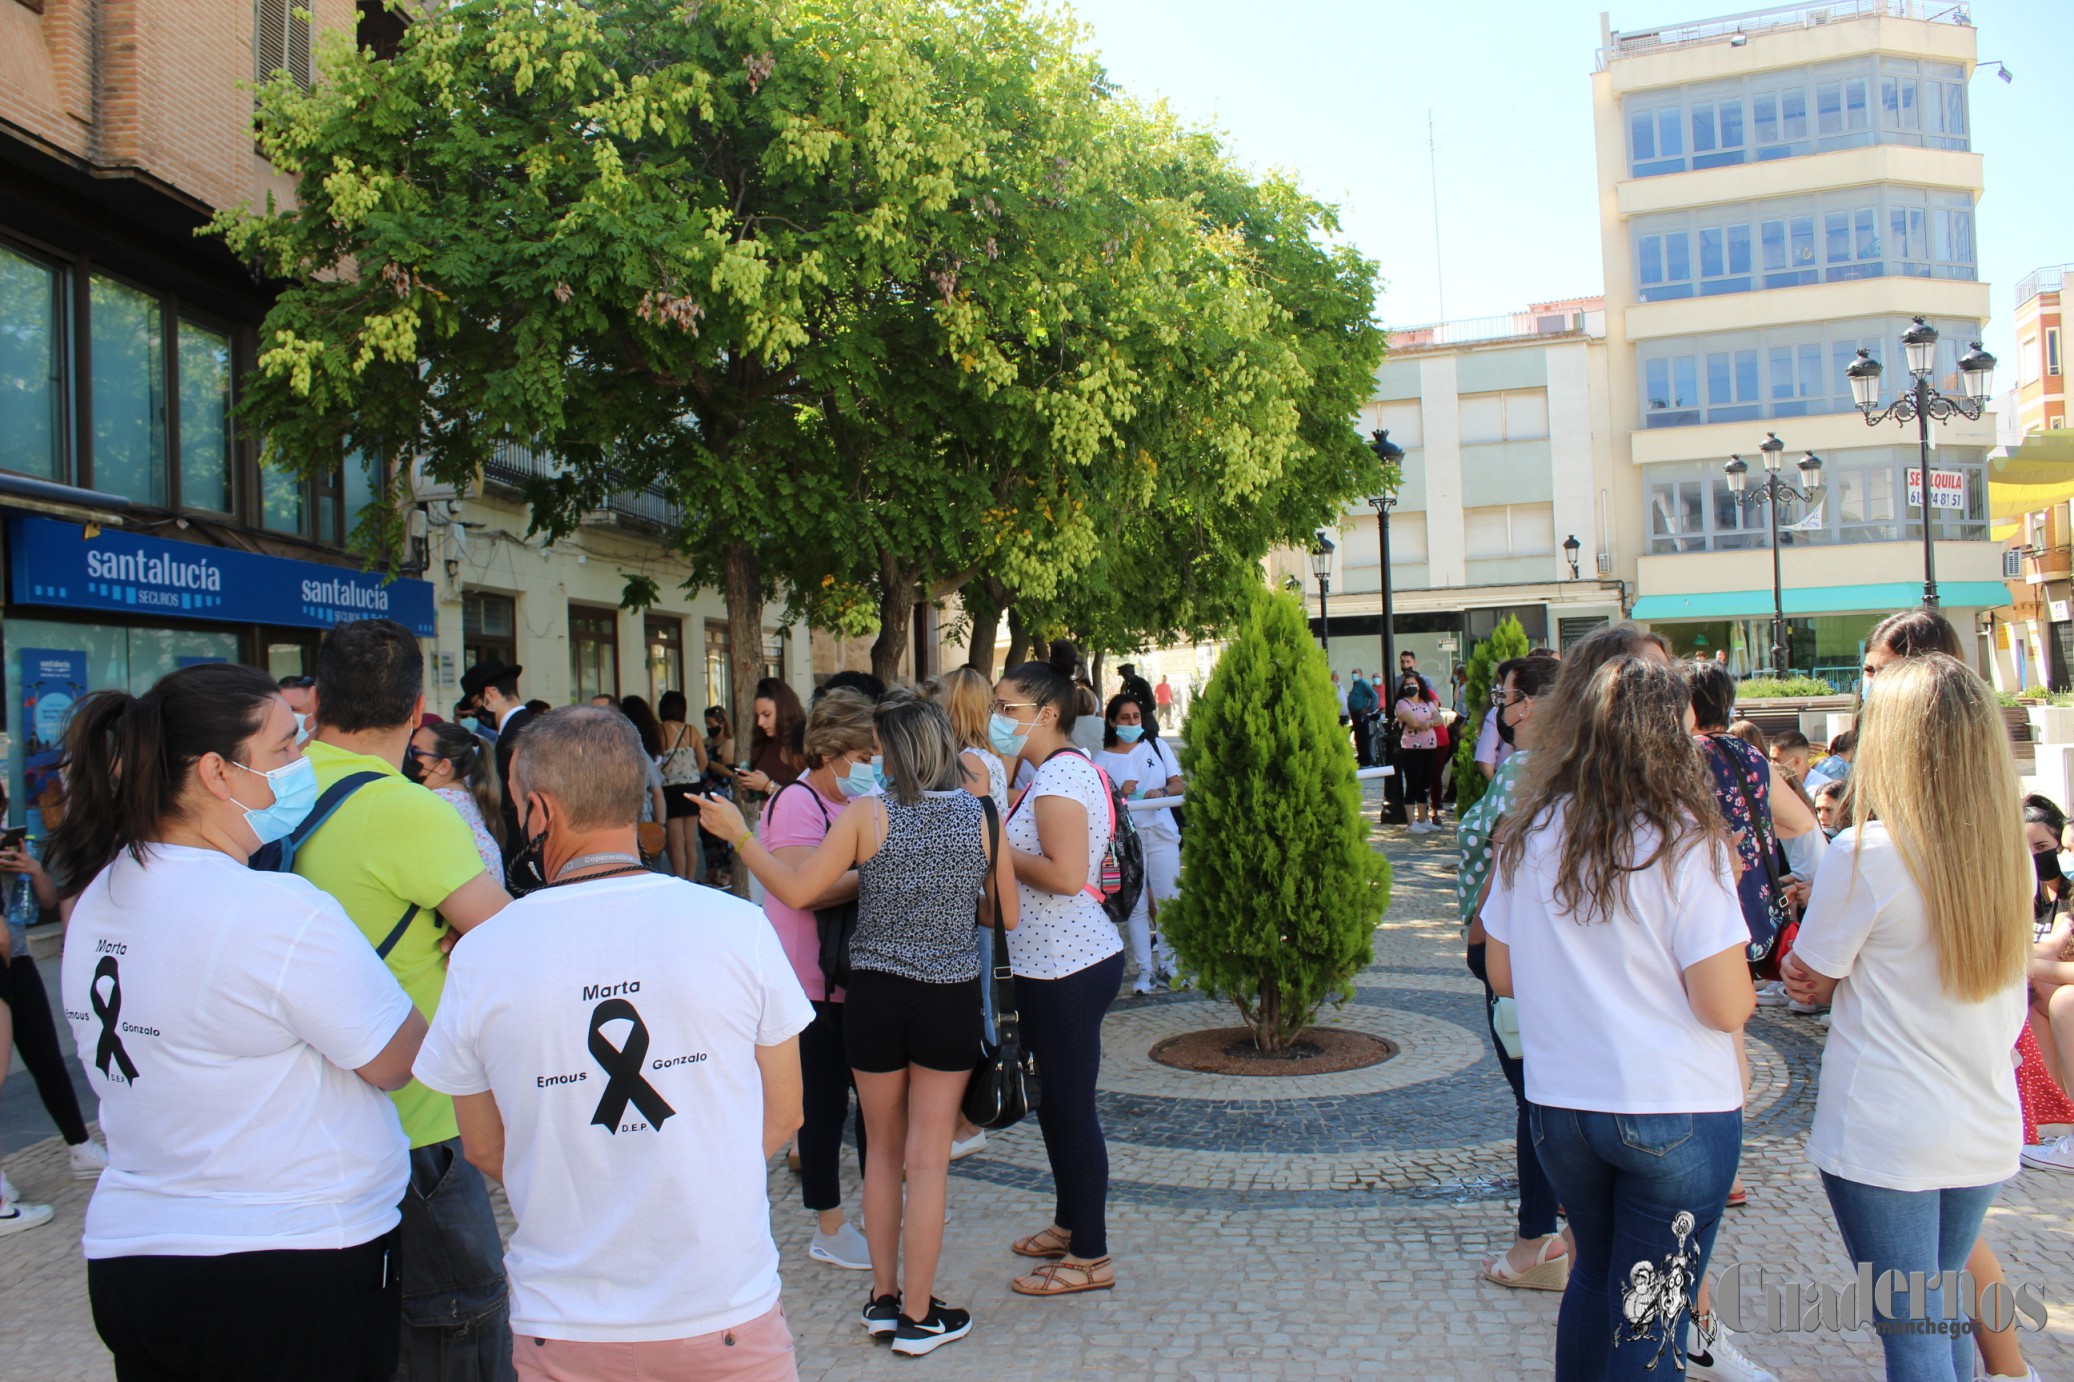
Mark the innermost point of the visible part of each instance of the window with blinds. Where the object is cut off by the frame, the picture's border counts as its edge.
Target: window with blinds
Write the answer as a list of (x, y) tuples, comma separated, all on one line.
[(281, 40)]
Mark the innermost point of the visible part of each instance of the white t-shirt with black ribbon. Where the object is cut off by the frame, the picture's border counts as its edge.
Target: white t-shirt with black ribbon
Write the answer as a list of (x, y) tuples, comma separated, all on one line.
[(616, 1021), (1148, 763), (221, 1014)]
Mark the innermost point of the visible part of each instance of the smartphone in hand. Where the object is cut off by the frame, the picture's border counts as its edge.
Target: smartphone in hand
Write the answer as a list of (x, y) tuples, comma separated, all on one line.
[(14, 838)]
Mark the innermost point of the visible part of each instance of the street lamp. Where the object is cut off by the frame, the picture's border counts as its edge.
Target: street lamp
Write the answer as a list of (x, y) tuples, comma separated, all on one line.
[(1321, 567), (1571, 547), (1392, 457), (1770, 494), (1922, 403)]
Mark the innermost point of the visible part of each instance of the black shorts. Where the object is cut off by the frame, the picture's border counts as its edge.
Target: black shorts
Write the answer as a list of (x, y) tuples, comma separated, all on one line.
[(677, 802), (890, 1023)]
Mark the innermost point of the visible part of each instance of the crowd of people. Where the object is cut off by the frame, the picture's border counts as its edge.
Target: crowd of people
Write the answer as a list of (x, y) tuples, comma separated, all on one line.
[(310, 1066), (1645, 870)]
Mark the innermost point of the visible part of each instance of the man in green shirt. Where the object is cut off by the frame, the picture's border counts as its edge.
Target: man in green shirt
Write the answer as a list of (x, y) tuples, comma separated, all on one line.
[(403, 864)]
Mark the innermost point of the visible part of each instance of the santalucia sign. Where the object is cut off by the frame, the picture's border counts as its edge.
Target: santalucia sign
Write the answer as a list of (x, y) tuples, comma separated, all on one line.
[(56, 563), (1747, 1298)]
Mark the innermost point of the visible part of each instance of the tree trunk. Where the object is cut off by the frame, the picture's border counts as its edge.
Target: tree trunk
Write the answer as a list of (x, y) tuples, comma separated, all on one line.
[(1018, 641), (985, 603), (1267, 1033), (896, 619), (1094, 674), (743, 586)]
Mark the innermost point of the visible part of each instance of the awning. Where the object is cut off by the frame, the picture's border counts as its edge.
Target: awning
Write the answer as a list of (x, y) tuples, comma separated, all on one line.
[(60, 501), (1885, 597), (2034, 476)]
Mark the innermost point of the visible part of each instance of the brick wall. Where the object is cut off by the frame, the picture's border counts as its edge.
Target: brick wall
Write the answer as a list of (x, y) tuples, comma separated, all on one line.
[(154, 87)]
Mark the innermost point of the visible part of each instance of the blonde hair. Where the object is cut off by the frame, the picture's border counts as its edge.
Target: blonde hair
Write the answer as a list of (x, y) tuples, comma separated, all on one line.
[(1934, 768), (838, 723), (968, 698)]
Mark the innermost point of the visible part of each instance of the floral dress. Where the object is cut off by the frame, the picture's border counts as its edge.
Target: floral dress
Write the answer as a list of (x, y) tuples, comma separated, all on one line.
[(1742, 783)]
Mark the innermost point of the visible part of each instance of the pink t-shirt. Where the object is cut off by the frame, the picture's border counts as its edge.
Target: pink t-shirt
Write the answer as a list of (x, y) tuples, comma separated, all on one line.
[(793, 816)]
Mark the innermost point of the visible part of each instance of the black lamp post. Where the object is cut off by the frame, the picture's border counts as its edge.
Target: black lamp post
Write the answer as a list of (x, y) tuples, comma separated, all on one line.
[(1922, 403), (1771, 493), (1571, 547), (1321, 567), (1392, 456)]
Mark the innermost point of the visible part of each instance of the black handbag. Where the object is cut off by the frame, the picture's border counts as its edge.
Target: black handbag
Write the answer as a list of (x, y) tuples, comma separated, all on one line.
[(1004, 1086)]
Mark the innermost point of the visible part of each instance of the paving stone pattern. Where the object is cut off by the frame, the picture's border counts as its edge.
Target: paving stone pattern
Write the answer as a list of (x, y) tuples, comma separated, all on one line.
[(1328, 1226)]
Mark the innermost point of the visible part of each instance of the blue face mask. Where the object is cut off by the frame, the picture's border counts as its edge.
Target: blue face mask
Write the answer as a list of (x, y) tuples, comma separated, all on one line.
[(1130, 734), (1006, 735), (878, 773), (860, 780), (295, 792)]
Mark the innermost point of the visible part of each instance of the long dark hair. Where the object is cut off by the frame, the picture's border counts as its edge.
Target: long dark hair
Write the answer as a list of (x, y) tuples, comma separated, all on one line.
[(1118, 702), (645, 723), (475, 767), (128, 758), (1913, 632), (787, 724), (1046, 685), (1619, 765)]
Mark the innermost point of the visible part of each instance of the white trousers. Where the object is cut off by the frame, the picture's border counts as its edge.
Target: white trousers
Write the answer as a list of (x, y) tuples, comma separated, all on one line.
[(1162, 884)]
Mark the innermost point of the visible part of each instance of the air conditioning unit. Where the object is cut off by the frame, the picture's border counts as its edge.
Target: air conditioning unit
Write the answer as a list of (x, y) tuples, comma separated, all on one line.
[(2012, 564), (1605, 563), (426, 490)]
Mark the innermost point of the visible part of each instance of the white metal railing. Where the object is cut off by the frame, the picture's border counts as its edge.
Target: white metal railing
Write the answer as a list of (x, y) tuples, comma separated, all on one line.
[(1505, 326), (1798, 16), (2045, 280)]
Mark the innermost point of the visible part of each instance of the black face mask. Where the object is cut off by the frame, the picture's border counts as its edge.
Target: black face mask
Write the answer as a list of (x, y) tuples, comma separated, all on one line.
[(1505, 730), (528, 870), (411, 768), (2048, 866)]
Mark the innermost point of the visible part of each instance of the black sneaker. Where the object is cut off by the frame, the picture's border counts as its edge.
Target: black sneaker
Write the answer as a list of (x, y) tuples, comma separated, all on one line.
[(881, 1315), (939, 1327)]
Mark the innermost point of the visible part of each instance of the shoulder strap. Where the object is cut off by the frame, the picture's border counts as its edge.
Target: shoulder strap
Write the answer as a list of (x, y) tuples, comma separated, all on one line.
[(280, 858), (802, 782), (396, 933), (1004, 996)]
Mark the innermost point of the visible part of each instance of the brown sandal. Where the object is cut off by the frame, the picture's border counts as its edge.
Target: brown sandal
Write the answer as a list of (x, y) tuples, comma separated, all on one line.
[(1050, 1282), (1051, 1241)]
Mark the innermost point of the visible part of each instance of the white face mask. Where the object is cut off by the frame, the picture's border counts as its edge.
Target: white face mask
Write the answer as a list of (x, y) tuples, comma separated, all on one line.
[(302, 727)]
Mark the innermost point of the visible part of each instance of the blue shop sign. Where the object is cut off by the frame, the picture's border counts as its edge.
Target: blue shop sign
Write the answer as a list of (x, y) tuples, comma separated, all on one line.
[(56, 563)]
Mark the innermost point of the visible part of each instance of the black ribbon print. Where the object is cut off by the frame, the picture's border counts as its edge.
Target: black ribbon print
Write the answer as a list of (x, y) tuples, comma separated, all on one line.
[(626, 1084), (110, 1050)]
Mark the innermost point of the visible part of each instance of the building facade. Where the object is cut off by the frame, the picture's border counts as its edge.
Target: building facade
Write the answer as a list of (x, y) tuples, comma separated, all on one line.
[(1503, 422), (140, 532), (1778, 190), (2041, 386)]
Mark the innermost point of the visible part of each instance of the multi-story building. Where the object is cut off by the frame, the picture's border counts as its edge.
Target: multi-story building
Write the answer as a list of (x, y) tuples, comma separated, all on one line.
[(2041, 383), (1778, 190), (141, 532), (1504, 505), (2033, 641)]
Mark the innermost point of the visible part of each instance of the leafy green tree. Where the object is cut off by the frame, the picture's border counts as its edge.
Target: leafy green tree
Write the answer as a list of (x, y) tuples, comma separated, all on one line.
[(1280, 889), (1507, 641)]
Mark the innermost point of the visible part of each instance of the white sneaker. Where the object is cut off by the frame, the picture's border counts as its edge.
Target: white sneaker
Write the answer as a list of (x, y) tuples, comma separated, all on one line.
[(1143, 988), (8, 1194), (1711, 1357), (1418, 828), (1806, 1009), (843, 1248), (15, 1216), (2056, 1155), (88, 1160), (975, 1143), (1772, 995), (2030, 1375)]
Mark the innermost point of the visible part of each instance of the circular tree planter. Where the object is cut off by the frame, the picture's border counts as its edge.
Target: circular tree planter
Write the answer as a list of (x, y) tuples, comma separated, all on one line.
[(1230, 1051)]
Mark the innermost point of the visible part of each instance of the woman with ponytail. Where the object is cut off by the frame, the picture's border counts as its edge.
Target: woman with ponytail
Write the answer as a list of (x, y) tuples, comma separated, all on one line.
[(462, 771), (239, 1031)]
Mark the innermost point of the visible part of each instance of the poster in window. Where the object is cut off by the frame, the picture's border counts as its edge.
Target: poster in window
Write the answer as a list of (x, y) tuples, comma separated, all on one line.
[(53, 682)]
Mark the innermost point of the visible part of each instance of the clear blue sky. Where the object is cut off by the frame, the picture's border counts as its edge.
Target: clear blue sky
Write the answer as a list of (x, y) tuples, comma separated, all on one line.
[(1337, 91)]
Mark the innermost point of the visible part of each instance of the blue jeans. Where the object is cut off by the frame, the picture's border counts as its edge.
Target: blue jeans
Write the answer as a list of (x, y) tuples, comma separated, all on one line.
[(1644, 1193), (1927, 1231), (1537, 1198), (456, 1312)]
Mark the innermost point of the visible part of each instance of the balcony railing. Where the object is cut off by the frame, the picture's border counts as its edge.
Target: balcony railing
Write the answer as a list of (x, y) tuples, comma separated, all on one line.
[(1505, 327), (1800, 16), (512, 465), (2046, 280)]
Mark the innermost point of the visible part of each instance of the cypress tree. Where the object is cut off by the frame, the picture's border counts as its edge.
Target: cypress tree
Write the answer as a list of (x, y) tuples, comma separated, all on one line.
[(1280, 889), (1507, 641)]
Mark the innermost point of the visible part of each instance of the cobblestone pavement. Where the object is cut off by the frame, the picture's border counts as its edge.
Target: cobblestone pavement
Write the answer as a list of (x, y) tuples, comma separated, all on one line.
[(1327, 1226)]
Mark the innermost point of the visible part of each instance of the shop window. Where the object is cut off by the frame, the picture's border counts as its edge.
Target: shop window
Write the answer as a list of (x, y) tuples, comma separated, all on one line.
[(665, 640), (32, 384), (489, 628), (128, 376), (593, 652)]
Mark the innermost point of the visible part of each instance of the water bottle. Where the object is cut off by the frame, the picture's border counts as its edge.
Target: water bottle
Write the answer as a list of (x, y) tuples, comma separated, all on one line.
[(21, 912)]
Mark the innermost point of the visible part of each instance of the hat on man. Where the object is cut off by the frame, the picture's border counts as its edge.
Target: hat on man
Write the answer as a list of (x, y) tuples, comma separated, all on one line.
[(486, 674)]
